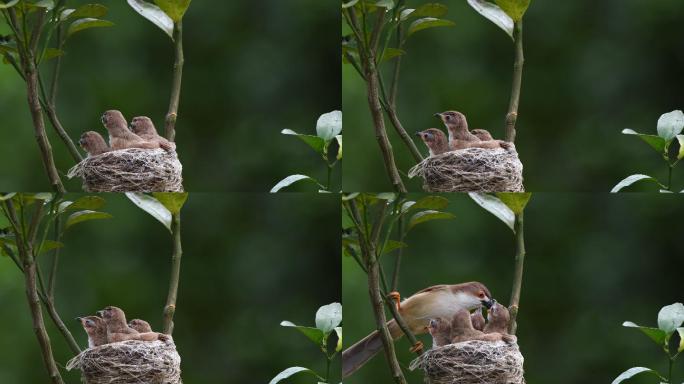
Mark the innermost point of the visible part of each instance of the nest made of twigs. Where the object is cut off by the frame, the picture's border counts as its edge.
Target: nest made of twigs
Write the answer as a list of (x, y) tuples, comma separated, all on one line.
[(472, 362), (129, 362), (131, 170), (471, 170)]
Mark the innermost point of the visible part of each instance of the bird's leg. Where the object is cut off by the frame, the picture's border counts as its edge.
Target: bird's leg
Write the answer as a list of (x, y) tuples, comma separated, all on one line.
[(417, 347), (394, 295)]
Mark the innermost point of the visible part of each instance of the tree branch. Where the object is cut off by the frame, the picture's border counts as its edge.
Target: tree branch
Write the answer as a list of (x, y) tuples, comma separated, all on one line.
[(518, 272), (172, 114), (512, 116), (170, 308)]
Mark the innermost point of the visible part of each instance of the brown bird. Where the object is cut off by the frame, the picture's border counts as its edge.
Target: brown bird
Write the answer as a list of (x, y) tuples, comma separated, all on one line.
[(482, 134), (440, 331), (119, 135), (141, 326), (118, 330), (477, 319), (462, 330), (437, 302), (461, 138), (498, 319), (96, 329), (435, 140), (144, 127), (93, 143)]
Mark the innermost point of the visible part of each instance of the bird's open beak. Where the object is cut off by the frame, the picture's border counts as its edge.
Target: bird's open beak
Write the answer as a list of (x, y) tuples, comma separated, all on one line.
[(438, 115), (488, 303), (418, 133), (78, 319)]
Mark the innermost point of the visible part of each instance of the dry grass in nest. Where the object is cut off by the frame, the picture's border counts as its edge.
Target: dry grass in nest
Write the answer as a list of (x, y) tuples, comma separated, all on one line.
[(471, 170), (130, 170), (472, 362), (129, 362)]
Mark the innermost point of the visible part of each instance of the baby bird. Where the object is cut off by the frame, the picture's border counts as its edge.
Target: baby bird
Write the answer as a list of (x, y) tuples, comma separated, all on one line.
[(96, 329), (144, 127), (482, 134), (477, 319), (118, 330), (461, 138), (93, 143), (141, 326), (440, 331), (498, 318), (119, 135), (462, 330), (435, 140)]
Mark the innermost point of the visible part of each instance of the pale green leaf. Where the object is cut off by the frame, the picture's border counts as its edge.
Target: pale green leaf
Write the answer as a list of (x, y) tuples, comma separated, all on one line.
[(173, 201), (315, 142), (515, 201), (629, 180), (514, 8), (670, 125), (425, 216), (85, 11), (628, 374), (154, 14), (152, 206), (82, 24), (9, 4), (313, 334), (174, 8), (655, 334), (286, 182), (495, 14), (82, 216), (292, 371), (329, 125), (671, 317), (328, 317), (428, 22), (496, 207), (656, 142)]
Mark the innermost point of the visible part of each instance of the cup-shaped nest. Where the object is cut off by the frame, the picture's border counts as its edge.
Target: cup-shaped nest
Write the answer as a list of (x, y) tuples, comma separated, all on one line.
[(129, 362), (131, 170), (471, 170), (472, 362)]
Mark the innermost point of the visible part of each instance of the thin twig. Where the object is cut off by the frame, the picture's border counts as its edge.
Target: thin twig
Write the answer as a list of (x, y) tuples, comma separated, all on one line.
[(170, 308), (518, 272), (172, 115), (512, 116)]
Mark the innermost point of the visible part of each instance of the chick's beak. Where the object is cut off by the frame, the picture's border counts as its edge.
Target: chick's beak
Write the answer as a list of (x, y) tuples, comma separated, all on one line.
[(488, 303), (418, 133), (438, 115)]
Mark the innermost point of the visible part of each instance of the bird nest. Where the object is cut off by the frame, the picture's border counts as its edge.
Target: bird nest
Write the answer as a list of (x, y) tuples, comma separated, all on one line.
[(472, 362), (130, 170), (129, 362), (471, 170)]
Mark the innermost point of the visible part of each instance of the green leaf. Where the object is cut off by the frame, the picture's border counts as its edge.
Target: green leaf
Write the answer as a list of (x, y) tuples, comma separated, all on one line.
[(389, 4), (329, 125), (515, 201), (7, 196), (338, 330), (430, 202), (393, 245), (286, 182), (154, 14), (671, 317), (50, 245), (82, 24), (47, 4), (495, 14), (391, 53), (514, 8), (314, 142), (10, 4), (314, 334), (174, 8), (655, 334), (670, 125), (349, 4), (83, 203), (82, 216), (328, 317), (85, 11), (339, 142), (51, 53), (430, 10), (680, 331), (496, 207), (152, 206), (628, 374), (424, 216), (292, 371), (173, 201), (656, 142), (629, 180), (428, 22)]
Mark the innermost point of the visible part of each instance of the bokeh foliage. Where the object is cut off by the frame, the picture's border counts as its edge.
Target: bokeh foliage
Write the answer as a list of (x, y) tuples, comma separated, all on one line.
[(243, 272), (585, 273), (250, 72)]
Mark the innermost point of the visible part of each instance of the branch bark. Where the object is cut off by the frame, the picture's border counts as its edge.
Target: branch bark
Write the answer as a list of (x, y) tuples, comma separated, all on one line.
[(518, 272), (170, 308), (512, 116), (172, 115)]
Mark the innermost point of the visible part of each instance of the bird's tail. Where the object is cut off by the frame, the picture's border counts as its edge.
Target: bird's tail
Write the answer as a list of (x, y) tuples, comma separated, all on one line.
[(358, 354)]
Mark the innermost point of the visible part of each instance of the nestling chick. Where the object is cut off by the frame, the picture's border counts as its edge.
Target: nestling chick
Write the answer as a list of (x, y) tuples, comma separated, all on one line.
[(498, 319), (118, 330), (144, 127), (119, 135), (93, 143), (141, 326), (462, 330), (435, 140), (477, 319), (482, 134), (461, 138), (96, 329), (440, 331)]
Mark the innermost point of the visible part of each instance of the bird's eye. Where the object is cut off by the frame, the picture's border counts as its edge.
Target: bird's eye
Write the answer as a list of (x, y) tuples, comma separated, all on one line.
[(481, 294)]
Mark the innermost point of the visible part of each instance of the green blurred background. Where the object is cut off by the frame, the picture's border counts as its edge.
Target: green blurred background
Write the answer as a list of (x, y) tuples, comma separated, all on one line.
[(250, 261), (593, 261), (251, 70), (592, 68)]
